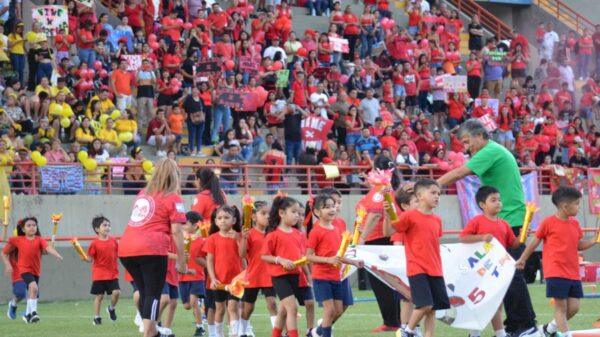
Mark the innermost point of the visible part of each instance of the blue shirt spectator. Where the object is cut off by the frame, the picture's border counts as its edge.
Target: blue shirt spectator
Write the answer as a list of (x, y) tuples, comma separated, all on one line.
[(367, 142)]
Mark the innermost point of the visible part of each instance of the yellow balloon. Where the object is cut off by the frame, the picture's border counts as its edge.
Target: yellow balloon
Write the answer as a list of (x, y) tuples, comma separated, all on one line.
[(115, 114), (126, 137), (41, 161), (148, 166), (57, 110), (65, 122), (103, 118), (35, 155), (82, 156), (90, 164)]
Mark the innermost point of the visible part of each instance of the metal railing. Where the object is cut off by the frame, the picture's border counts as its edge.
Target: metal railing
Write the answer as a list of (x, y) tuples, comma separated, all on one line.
[(566, 15), (488, 20), (112, 178)]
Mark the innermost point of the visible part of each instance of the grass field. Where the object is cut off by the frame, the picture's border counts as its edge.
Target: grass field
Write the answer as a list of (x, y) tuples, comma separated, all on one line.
[(74, 318)]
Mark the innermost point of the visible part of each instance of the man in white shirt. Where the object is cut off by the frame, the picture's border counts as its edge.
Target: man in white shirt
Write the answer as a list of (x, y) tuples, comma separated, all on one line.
[(566, 75), (273, 49), (550, 40), (320, 101), (369, 107)]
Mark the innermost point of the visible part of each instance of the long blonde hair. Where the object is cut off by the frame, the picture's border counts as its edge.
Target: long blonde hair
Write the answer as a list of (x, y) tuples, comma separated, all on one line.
[(165, 179)]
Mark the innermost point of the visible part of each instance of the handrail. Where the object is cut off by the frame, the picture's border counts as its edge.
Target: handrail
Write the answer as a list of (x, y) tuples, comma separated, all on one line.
[(488, 20), (566, 15)]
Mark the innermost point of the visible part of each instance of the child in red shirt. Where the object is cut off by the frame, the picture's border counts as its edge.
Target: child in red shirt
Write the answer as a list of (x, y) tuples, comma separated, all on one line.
[(102, 253), (250, 249), (192, 286), (223, 264), (283, 245), (423, 229), (31, 246), (562, 238), (485, 227), (323, 243)]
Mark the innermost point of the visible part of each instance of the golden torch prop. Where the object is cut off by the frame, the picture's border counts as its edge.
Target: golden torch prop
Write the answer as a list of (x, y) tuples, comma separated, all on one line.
[(530, 209)]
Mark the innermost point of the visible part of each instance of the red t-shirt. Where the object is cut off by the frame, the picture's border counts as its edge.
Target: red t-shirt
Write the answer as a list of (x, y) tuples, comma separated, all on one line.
[(586, 45), (104, 254), (149, 229), (255, 273), (325, 243), (351, 21), (434, 145), (299, 90), (14, 260), (422, 242), (172, 278), (476, 70), (226, 260), (561, 238), (480, 111), (204, 204), (29, 253), (289, 246), (174, 34), (88, 36), (410, 82), (195, 251), (455, 109), (482, 225), (373, 203)]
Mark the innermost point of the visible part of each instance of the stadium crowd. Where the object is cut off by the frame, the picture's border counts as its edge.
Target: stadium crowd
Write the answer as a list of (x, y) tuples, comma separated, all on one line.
[(78, 90)]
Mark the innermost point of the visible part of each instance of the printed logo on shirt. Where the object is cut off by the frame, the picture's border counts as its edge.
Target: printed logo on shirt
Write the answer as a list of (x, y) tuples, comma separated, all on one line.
[(143, 210), (377, 197), (180, 208)]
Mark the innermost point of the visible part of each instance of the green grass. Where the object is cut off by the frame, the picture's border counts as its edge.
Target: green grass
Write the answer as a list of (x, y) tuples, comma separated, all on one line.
[(73, 318)]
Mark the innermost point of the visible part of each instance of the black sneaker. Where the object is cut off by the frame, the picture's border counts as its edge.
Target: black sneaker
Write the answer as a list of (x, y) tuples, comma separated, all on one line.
[(111, 313), (34, 317), (404, 333), (200, 331), (97, 321), (27, 318), (545, 332)]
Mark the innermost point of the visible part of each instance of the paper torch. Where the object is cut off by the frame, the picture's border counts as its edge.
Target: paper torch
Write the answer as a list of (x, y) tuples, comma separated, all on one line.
[(248, 204), (187, 244), (237, 285), (6, 203), (55, 221), (204, 228), (301, 261), (530, 209), (382, 180), (361, 214), (346, 238), (79, 249), (598, 237)]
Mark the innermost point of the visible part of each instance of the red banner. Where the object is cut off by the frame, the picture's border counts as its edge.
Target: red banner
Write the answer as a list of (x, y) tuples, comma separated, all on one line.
[(565, 176), (315, 129), (594, 190)]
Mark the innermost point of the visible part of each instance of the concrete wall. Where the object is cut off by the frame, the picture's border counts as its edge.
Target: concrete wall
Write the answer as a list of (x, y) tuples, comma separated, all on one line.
[(70, 279)]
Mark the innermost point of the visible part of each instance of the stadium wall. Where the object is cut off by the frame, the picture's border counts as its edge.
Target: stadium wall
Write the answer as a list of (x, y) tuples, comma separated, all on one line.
[(70, 279)]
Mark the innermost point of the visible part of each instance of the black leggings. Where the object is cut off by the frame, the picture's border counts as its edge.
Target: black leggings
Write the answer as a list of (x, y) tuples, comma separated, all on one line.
[(389, 305), (149, 273), (473, 85)]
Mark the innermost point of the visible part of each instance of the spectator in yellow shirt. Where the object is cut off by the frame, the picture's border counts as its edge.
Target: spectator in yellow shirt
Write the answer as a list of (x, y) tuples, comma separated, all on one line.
[(59, 110), (110, 140), (127, 124), (84, 135), (41, 99), (62, 87), (16, 47), (44, 132), (106, 105)]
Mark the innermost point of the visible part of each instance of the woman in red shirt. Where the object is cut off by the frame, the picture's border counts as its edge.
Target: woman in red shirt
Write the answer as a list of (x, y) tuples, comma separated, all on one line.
[(172, 60), (312, 63), (351, 32), (133, 11), (421, 137), (505, 125), (210, 195), (518, 64), (473, 75), (586, 47), (353, 126), (30, 246), (388, 141), (274, 158), (325, 51), (157, 214)]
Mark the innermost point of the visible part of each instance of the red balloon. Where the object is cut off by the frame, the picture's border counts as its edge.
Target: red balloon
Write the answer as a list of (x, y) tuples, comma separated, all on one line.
[(58, 39), (152, 38), (384, 22), (179, 22), (187, 26), (302, 52), (332, 99), (154, 45), (70, 39), (90, 74), (277, 65), (424, 43), (452, 156), (444, 166), (83, 73), (363, 73), (391, 23), (545, 147), (97, 65), (229, 65), (344, 79), (103, 73), (439, 29), (250, 9)]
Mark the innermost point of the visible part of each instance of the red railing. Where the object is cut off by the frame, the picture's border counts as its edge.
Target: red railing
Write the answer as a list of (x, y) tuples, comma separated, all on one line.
[(566, 15), (488, 20), (110, 178)]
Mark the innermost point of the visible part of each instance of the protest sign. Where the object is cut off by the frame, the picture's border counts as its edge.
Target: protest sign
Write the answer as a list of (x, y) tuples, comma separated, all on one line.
[(249, 65), (455, 84), (52, 18), (315, 129), (207, 67), (339, 44), (231, 97), (477, 277), (488, 123), (134, 62), (496, 58), (283, 77)]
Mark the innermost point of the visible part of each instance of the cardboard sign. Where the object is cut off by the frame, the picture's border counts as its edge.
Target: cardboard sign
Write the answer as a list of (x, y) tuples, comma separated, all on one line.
[(231, 98), (249, 65), (497, 58), (52, 18), (488, 123), (339, 45), (283, 77), (209, 66), (455, 84), (134, 62)]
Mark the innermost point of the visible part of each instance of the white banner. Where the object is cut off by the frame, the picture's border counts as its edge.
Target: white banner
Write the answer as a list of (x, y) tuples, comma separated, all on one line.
[(477, 276), (134, 62), (52, 18), (339, 44), (455, 84)]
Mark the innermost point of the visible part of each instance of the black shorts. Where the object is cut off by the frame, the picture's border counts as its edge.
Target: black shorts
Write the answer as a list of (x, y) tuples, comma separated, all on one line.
[(306, 294), (411, 100), (279, 126), (223, 296), (287, 285), (428, 290), (104, 287), (439, 106), (518, 73), (29, 277), (209, 299), (164, 100), (251, 294)]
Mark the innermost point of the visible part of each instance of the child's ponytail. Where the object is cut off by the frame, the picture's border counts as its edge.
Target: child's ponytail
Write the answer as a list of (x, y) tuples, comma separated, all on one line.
[(279, 203)]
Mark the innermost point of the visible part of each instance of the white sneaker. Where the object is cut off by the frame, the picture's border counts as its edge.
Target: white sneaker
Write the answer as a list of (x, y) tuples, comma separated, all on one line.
[(249, 331), (138, 320)]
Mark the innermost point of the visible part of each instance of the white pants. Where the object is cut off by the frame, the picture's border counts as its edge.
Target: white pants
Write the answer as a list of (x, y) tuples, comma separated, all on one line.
[(124, 102)]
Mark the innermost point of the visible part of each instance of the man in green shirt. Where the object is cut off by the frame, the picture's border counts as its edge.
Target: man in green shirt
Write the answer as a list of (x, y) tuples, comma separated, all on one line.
[(496, 166)]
